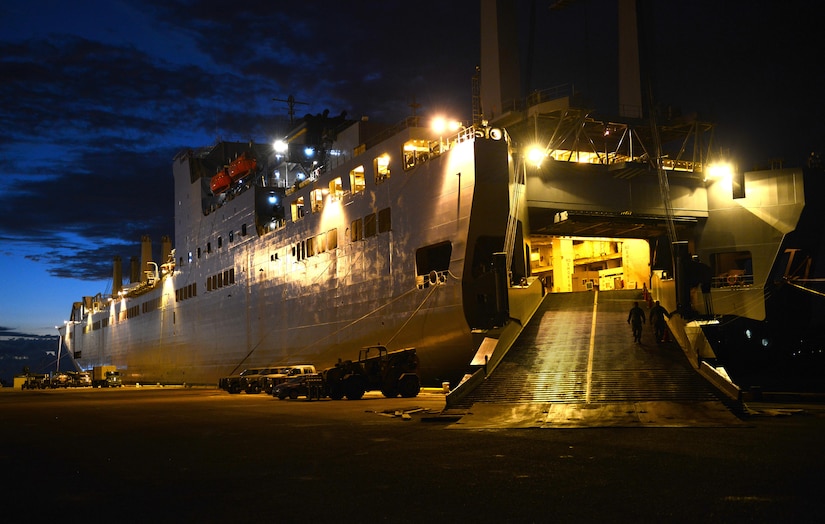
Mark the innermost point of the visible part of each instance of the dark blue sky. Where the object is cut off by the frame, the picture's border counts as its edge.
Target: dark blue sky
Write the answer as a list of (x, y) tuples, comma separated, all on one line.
[(98, 97)]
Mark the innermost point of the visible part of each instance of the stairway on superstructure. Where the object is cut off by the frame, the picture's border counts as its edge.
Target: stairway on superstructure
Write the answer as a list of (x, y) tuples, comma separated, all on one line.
[(563, 356)]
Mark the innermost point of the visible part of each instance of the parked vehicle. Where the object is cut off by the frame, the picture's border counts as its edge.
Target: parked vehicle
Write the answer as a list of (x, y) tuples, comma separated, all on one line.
[(35, 381), (60, 379), (79, 379), (256, 380), (392, 372), (309, 385), (236, 383), (283, 374), (106, 377)]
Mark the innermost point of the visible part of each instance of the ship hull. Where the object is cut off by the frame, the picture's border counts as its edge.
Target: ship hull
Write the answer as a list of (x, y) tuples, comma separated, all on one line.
[(311, 291), (764, 252)]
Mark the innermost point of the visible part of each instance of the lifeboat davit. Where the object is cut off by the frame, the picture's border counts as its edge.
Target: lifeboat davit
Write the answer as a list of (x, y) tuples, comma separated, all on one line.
[(236, 170), (242, 165), (220, 182)]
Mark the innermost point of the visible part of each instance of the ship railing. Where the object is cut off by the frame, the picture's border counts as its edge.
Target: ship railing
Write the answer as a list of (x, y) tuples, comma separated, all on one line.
[(466, 134), (536, 97), (410, 121), (551, 93), (436, 146), (733, 279), (680, 165), (444, 144), (338, 158)]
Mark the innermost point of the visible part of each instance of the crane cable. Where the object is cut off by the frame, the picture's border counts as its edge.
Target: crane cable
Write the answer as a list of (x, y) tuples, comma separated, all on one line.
[(664, 185)]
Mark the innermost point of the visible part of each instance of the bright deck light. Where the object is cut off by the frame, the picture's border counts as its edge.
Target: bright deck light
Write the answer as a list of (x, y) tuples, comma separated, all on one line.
[(440, 125), (535, 155), (719, 170), (280, 146)]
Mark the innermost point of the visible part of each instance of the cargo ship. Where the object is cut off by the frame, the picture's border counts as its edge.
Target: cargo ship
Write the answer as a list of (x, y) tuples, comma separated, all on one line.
[(342, 235), (349, 234)]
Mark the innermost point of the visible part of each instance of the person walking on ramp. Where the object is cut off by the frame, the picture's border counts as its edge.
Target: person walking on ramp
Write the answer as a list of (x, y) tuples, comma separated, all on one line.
[(636, 318), (657, 318)]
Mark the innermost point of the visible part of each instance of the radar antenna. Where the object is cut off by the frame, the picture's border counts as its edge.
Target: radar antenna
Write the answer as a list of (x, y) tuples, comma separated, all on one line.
[(290, 100)]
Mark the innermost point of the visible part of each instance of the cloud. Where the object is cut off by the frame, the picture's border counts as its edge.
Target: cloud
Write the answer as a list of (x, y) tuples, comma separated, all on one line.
[(8, 333), (99, 116)]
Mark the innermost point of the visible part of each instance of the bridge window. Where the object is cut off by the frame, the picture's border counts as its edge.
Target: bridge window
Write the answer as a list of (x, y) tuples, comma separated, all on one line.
[(415, 152), (369, 225), (356, 231), (384, 220), (316, 197), (332, 239), (297, 209), (336, 189), (381, 168), (356, 179)]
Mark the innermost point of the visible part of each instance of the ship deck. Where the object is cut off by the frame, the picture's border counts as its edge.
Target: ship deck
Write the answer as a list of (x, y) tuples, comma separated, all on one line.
[(576, 365)]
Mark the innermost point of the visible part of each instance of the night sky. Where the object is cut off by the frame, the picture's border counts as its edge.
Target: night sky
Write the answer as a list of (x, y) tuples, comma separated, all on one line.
[(98, 97)]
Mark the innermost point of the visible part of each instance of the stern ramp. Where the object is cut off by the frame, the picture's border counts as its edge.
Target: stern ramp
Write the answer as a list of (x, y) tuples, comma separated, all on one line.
[(575, 364)]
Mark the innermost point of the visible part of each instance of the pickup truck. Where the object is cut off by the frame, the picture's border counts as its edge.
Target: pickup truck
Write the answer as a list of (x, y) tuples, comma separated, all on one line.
[(255, 380), (284, 373)]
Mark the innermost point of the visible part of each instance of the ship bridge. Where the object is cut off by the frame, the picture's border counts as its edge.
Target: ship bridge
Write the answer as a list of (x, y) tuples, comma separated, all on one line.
[(575, 364)]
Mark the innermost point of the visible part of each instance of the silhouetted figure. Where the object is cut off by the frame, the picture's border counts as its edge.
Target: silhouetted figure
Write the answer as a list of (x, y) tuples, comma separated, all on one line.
[(657, 318), (636, 318)]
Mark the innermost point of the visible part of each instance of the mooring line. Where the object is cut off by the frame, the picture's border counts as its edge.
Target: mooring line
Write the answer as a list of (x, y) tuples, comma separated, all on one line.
[(588, 382)]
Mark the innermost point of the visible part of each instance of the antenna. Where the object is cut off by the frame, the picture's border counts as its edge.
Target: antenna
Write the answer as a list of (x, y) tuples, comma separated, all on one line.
[(414, 106), (290, 100)]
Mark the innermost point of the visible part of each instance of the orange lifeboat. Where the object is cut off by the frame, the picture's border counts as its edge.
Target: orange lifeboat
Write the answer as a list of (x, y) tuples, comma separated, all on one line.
[(220, 182), (242, 165)]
